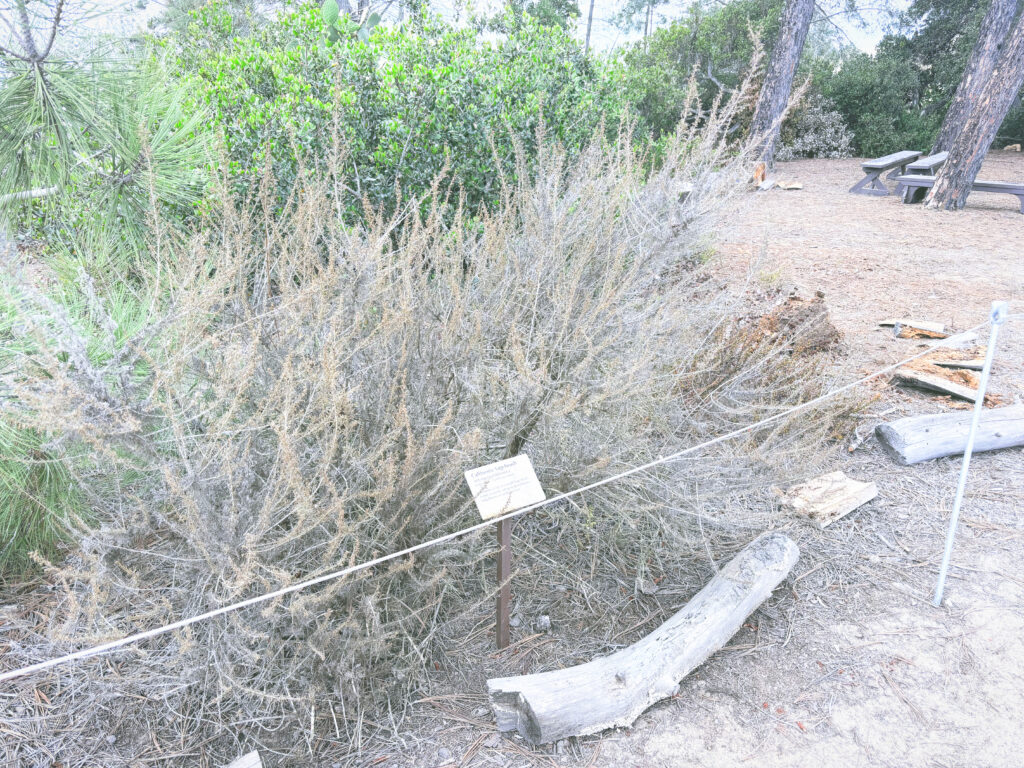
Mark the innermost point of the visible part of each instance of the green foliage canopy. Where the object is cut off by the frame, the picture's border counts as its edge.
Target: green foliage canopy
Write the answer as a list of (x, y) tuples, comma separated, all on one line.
[(409, 103)]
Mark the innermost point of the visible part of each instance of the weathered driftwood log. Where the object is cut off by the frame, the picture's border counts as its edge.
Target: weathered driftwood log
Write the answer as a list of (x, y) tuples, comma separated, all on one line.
[(613, 690), (920, 438)]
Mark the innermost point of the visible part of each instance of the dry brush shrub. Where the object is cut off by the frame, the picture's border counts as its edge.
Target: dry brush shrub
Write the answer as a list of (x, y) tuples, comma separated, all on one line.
[(306, 395)]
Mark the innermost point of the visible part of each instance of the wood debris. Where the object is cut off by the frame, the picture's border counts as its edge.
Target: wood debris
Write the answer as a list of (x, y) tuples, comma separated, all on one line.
[(957, 383), (915, 329), (827, 498), (969, 358), (790, 184)]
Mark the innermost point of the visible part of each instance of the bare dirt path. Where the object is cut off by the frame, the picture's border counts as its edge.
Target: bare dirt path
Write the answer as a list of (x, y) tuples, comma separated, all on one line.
[(849, 663)]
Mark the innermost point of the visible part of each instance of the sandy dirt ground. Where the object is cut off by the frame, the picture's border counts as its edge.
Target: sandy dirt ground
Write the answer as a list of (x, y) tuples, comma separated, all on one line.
[(848, 663), (875, 675)]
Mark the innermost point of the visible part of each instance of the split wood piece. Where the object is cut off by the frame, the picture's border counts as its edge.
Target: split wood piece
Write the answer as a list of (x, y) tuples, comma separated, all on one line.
[(971, 365), (790, 185), (828, 498), (251, 760), (921, 438), (613, 690), (916, 329), (924, 325), (935, 384)]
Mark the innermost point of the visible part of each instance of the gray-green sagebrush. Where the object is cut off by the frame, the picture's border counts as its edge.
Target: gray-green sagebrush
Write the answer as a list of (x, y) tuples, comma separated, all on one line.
[(302, 393)]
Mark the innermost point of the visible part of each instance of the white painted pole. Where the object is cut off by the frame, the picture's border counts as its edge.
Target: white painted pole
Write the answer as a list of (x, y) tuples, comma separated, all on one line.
[(997, 317)]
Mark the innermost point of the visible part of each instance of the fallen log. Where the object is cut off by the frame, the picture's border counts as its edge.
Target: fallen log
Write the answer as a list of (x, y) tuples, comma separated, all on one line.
[(920, 438), (613, 690)]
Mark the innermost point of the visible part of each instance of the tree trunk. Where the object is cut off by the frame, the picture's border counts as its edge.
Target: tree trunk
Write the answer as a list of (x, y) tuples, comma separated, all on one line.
[(590, 23), (953, 181), (979, 68), (778, 79)]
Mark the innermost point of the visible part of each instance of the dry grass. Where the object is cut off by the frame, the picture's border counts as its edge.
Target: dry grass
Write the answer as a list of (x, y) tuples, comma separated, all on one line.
[(304, 394)]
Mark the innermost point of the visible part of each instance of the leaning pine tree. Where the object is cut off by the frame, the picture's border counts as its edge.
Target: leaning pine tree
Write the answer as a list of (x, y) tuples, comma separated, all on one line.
[(778, 80), (954, 180), (994, 28)]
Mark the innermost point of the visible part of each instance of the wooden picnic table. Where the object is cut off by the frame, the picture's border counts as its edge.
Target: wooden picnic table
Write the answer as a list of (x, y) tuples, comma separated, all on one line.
[(925, 166), (914, 181), (896, 164)]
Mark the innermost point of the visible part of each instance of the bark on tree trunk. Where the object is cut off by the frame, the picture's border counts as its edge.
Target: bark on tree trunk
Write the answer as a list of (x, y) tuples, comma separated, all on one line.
[(953, 181), (590, 23), (778, 80), (979, 68)]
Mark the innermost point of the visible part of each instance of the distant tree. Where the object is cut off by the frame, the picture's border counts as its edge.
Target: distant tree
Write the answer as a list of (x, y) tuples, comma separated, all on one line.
[(637, 15), (967, 152), (778, 79), (590, 23), (994, 29), (549, 13)]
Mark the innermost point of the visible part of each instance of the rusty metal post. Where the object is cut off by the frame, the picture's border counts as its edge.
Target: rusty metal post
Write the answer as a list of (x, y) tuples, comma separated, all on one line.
[(504, 582)]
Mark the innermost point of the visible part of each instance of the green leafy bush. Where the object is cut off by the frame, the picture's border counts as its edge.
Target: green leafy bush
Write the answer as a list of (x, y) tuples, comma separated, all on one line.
[(409, 104), (879, 97)]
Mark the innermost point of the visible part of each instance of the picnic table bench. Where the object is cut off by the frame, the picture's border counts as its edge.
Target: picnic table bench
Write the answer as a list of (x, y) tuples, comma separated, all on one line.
[(912, 181), (926, 166), (896, 164)]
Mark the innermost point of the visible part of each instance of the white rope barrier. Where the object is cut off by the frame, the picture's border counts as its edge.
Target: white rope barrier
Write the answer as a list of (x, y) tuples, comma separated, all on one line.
[(182, 623)]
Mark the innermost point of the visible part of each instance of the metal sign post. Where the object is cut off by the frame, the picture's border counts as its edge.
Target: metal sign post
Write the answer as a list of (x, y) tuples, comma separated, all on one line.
[(498, 489), (997, 317), (504, 583)]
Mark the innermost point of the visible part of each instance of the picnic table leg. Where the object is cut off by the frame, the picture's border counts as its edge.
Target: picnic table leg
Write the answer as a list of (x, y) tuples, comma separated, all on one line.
[(899, 171), (877, 186), (911, 193)]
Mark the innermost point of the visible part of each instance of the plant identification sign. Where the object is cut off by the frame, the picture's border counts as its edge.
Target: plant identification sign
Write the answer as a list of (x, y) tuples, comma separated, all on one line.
[(504, 486)]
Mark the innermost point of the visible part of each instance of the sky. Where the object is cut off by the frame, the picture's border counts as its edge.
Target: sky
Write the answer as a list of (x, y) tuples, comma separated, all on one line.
[(125, 16)]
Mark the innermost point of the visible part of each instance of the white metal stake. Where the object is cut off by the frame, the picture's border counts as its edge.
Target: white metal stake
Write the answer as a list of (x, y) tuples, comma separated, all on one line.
[(997, 317)]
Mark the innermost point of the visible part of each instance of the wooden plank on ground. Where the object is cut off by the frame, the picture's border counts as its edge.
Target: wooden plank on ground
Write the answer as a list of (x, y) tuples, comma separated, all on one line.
[(907, 328), (934, 383), (828, 498), (921, 438), (971, 365)]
